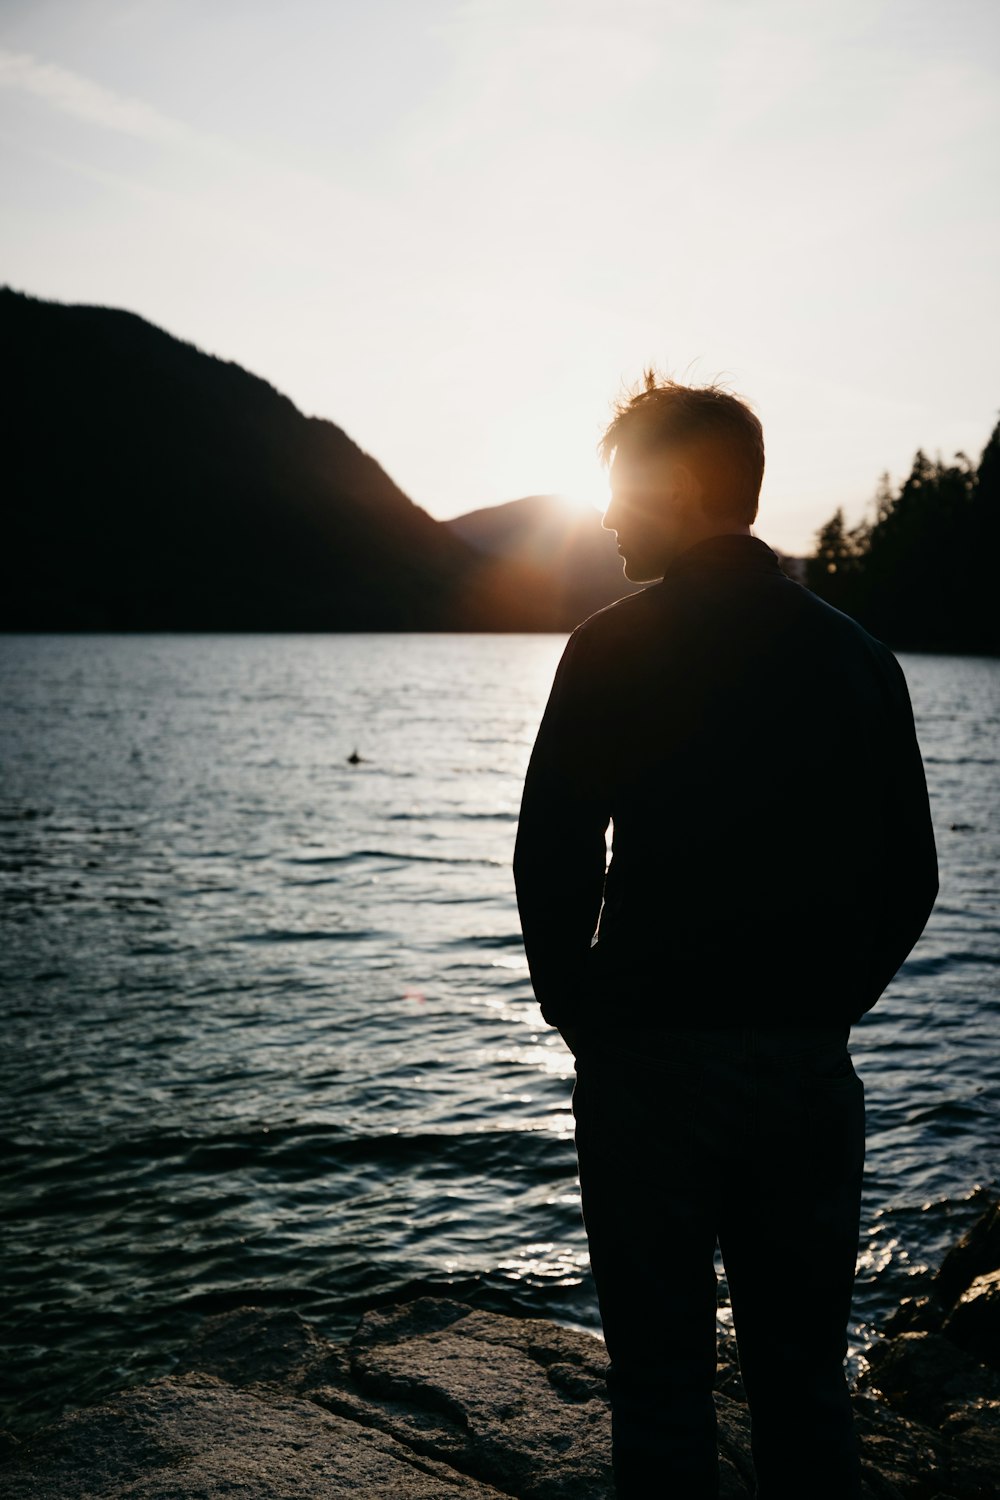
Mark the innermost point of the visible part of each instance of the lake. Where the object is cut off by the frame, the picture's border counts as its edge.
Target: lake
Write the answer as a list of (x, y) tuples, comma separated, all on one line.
[(268, 1031)]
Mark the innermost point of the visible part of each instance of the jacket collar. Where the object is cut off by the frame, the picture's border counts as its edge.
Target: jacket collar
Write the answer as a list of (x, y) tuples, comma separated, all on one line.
[(729, 552)]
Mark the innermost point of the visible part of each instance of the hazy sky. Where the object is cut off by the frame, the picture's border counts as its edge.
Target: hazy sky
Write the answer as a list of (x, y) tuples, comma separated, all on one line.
[(456, 229)]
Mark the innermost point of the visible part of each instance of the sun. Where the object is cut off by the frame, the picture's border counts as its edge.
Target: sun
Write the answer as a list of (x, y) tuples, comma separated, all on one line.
[(586, 502), (548, 448)]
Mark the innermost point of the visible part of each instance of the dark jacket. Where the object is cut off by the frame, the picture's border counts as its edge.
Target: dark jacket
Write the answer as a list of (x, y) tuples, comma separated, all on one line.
[(754, 749)]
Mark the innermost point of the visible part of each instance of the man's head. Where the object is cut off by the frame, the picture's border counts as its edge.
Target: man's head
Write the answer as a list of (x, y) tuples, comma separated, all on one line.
[(686, 463)]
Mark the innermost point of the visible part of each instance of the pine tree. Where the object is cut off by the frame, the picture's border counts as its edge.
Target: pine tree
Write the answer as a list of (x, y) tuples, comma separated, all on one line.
[(921, 574)]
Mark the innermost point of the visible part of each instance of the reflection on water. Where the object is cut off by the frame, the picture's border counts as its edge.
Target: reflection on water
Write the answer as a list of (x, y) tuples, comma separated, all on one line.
[(269, 1035)]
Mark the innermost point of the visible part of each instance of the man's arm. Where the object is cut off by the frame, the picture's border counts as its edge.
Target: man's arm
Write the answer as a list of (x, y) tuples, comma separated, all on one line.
[(911, 873), (559, 855)]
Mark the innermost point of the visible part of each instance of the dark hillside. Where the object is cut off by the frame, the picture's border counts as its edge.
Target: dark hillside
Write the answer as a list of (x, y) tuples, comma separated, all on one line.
[(151, 486)]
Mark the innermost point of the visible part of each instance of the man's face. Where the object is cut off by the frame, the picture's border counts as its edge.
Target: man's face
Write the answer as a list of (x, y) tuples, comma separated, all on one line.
[(654, 510)]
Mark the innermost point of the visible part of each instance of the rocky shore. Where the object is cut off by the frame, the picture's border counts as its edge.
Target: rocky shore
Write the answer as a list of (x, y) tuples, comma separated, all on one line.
[(432, 1400)]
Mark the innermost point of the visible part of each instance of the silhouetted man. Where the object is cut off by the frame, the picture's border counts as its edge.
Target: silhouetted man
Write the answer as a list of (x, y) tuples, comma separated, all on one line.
[(773, 864)]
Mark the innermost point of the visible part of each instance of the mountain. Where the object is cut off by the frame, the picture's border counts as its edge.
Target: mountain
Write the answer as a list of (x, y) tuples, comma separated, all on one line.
[(151, 486), (574, 560)]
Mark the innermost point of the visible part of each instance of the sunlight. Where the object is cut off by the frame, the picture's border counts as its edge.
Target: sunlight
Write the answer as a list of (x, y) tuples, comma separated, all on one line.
[(551, 453), (587, 502)]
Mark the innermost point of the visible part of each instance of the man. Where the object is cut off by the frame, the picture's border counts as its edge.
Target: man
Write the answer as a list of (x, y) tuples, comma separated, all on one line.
[(773, 864)]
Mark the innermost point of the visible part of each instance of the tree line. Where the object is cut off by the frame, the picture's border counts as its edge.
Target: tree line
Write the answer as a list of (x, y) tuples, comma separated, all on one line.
[(921, 573)]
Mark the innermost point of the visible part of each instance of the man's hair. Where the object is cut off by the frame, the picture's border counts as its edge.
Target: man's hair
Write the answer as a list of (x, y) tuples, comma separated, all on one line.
[(714, 431)]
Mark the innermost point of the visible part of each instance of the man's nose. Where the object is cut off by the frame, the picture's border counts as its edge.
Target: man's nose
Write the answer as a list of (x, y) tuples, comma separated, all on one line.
[(610, 518)]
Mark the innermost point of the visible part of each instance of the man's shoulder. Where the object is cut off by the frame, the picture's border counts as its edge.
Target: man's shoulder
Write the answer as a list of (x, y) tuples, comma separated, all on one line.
[(803, 627), (621, 620), (837, 627), (843, 658)]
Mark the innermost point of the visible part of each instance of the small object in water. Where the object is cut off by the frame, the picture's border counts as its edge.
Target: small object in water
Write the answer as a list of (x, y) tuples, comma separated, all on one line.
[(961, 828), (354, 759)]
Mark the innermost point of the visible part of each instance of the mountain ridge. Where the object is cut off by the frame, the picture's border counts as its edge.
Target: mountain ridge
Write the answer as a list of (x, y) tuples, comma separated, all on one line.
[(154, 486)]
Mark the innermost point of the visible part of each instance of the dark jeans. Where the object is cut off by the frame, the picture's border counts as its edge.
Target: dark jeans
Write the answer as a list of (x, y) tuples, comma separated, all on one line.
[(753, 1139)]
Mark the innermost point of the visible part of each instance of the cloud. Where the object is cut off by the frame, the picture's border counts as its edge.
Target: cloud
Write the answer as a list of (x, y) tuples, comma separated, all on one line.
[(72, 94)]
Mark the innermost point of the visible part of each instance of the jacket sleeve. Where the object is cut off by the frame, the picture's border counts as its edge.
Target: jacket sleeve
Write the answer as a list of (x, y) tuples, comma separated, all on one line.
[(910, 874), (560, 852)]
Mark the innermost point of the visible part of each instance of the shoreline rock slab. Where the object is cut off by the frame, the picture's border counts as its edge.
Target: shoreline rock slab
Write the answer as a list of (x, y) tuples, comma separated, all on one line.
[(194, 1437)]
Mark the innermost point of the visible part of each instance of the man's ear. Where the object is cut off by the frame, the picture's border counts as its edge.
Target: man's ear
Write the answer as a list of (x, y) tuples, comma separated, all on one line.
[(687, 488)]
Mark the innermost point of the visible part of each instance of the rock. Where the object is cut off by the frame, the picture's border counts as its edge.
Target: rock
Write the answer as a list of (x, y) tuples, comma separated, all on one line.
[(430, 1398), (900, 1458), (251, 1346), (940, 1368), (921, 1314), (924, 1375), (497, 1395), (9, 1444), (976, 1254), (974, 1322), (193, 1437), (906, 1460), (728, 1378), (973, 1435), (516, 1400), (736, 1479)]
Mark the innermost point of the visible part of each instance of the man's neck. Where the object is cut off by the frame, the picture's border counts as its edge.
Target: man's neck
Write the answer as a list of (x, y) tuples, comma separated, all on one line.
[(704, 534)]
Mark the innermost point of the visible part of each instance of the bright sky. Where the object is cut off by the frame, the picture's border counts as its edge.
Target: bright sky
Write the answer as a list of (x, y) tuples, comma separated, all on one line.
[(456, 229)]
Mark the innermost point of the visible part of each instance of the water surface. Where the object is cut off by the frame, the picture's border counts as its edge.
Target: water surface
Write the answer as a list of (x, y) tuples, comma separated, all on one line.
[(268, 1030)]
